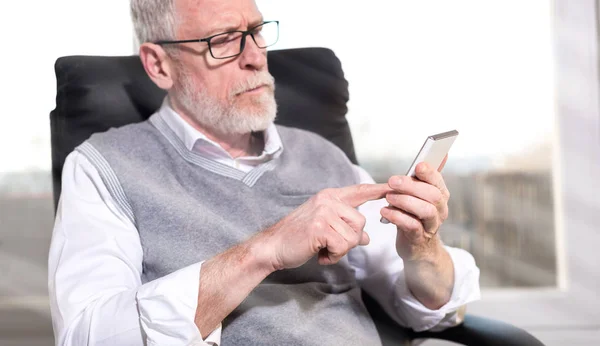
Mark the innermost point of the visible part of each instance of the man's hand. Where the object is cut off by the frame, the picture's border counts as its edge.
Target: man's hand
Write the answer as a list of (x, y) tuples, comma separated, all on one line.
[(327, 224), (418, 207)]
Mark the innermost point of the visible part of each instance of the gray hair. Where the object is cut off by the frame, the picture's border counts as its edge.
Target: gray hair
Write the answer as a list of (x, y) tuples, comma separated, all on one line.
[(153, 20)]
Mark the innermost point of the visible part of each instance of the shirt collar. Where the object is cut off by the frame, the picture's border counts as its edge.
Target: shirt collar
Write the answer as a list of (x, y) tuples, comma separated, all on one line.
[(195, 140)]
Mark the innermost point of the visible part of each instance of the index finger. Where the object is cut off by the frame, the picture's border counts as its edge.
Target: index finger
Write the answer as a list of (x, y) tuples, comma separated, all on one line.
[(355, 195)]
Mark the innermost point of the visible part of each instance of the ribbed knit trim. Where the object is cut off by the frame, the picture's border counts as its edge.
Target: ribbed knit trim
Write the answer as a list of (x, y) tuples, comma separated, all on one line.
[(109, 178)]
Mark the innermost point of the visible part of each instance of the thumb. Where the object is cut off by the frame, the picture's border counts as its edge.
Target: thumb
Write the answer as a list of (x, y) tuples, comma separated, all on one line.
[(441, 167)]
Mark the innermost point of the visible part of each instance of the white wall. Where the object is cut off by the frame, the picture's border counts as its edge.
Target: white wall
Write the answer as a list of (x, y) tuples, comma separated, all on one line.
[(34, 34)]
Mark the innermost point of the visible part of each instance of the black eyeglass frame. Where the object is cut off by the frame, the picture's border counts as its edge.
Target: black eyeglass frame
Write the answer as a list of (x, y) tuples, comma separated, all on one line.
[(242, 42)]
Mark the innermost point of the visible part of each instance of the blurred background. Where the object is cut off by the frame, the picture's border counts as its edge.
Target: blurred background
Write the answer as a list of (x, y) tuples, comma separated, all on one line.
[(517, 79)]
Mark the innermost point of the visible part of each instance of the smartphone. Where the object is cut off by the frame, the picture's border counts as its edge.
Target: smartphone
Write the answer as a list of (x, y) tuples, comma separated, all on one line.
[(433, 151)]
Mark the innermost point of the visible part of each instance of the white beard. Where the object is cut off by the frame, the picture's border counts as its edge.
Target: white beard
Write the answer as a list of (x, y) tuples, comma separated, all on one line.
[(228, 117)]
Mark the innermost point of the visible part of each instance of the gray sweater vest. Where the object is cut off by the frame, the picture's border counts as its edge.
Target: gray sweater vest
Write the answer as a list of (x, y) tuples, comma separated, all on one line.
[(187, 209)]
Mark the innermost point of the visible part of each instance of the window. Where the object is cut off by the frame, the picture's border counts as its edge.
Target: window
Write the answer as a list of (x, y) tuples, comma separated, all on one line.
[(519, 80), (420, 68)]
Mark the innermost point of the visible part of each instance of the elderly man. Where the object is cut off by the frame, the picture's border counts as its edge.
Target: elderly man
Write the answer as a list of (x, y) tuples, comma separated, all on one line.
[(208, 224)]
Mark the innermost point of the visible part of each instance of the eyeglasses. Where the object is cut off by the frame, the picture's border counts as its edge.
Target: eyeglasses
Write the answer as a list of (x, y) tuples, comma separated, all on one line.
[(230, 44)]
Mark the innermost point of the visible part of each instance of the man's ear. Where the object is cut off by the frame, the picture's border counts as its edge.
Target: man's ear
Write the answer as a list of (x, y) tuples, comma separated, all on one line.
[(157, 64)]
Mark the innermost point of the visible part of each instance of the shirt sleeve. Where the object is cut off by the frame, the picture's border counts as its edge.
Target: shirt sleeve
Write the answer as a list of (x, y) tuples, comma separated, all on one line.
[(380, 271), (94, 276)]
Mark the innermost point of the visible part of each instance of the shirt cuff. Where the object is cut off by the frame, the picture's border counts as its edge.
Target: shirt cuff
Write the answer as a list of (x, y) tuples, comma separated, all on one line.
[(213, 339), (168, 306), (466, 289)]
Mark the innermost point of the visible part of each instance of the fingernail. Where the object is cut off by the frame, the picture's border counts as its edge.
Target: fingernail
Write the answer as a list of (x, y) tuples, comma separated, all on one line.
[(395, 181)]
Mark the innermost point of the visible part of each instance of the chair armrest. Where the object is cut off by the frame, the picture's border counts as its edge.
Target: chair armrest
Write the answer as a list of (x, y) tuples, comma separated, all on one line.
[(477, 330), (473, 331)]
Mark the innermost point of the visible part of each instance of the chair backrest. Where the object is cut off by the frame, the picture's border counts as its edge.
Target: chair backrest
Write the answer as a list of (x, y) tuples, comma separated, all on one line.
[(95, 93)]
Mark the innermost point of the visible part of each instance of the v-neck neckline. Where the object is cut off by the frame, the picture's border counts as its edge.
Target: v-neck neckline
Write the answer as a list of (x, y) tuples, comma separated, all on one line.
[(249, 179)]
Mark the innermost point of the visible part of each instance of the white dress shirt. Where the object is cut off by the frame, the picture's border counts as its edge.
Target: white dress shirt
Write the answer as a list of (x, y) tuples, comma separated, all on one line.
[(95, 264)]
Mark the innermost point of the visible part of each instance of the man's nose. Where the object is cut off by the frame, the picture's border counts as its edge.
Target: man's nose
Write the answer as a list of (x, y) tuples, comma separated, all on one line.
[(252, 57)]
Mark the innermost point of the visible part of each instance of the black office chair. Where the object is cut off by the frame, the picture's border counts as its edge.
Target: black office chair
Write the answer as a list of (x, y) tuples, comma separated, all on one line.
[(96, 93)]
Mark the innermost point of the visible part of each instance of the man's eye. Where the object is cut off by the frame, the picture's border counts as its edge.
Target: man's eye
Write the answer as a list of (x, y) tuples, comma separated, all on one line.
[(223, 39)]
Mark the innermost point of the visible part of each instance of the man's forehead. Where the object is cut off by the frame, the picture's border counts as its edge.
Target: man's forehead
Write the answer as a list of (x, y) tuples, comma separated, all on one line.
[(204, 16)]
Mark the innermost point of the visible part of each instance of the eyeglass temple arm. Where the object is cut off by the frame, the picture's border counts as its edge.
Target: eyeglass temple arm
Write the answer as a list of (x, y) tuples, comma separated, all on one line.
[(181, 41)]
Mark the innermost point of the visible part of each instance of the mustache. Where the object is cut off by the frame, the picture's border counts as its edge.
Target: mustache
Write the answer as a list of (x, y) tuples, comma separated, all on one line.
[(256, 80)]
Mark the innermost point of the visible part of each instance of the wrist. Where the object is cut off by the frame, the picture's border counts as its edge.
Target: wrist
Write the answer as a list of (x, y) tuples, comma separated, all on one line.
[(260, 250), (430, 277), (427, 253)]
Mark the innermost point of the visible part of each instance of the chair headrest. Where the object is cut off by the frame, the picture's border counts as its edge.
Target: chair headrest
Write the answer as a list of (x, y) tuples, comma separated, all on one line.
[(95, 93)]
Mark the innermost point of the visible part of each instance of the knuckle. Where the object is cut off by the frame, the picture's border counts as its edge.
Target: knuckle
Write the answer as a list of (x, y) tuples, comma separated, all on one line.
[(444, 214), (355, 240), (318, 223), (363, 188), (321, 197), (362, 221), (327, 192), (438, 198), (413, 225), (335, 259), (431, 211), (324, 211), (352, 243), (337, 248), (321, 210)]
